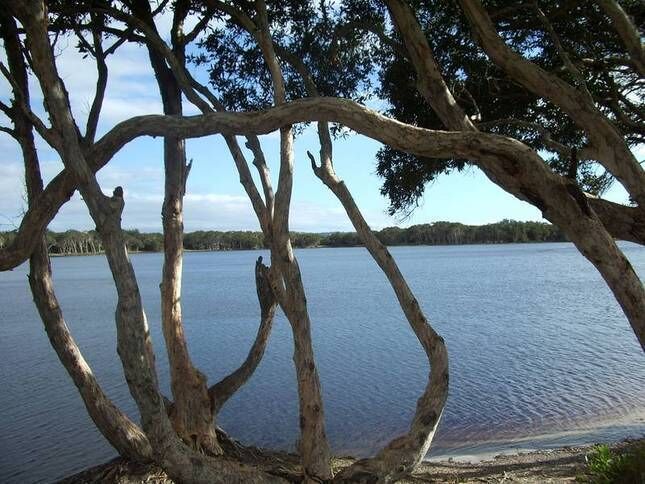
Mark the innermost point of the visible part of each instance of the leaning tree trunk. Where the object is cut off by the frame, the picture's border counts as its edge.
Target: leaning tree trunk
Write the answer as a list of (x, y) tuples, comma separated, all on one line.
[(524, 174), (287, 280), (313, 446), (403, 454), (400, 457), (123, 434), (191, 413), (133, 337)]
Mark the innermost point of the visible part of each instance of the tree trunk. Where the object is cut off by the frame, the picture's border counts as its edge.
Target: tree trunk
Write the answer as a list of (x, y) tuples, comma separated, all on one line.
[(560, 200), (124, 435), (191, 413), (400, 457), (226, 388), (133, 337), (314, 447)]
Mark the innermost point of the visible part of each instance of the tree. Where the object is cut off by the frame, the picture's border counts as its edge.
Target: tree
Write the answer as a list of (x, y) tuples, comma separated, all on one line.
[(295, 62), (495, 102)]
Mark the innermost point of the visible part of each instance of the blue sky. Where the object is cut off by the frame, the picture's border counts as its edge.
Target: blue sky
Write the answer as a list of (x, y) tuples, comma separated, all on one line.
[(215, 200)]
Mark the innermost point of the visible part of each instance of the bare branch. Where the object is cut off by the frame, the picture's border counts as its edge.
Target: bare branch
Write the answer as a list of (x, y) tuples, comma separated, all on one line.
[(152, 37), (6, 110), (118, 43), (430, 82), (226, 388), (9, 131), (101, 84), (259, 161), (199, 27), (47, 134)]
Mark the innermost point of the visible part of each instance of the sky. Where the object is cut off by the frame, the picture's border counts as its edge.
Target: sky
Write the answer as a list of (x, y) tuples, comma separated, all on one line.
[(215, 199)]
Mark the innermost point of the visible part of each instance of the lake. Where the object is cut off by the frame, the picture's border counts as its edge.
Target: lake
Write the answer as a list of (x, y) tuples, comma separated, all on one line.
[(540, 352)]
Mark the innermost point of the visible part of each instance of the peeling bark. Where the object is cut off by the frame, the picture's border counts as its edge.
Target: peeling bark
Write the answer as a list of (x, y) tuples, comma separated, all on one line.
[(123, 434), (523, 173), (399, 458), (314, 447)]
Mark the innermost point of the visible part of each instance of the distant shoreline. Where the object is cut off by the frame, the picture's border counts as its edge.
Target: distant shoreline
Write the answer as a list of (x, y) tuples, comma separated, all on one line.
[(131, 252), (74, 242)]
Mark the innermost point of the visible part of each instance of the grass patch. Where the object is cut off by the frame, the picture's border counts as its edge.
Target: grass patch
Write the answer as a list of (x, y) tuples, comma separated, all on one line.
[(605, 466)]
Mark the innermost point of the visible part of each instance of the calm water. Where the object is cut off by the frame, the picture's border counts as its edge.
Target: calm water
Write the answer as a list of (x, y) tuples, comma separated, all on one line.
[(541, 354)]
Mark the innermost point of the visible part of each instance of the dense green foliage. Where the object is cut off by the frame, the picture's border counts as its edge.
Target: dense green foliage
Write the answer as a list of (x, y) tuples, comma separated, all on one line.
[(609, 467), (351, 50), (74, 242), (497, 103)]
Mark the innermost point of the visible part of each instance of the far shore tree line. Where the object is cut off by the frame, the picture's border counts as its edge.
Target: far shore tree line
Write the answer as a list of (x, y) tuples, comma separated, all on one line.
[(75, 242)]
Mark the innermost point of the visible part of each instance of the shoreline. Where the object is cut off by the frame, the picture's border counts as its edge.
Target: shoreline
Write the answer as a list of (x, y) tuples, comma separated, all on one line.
[(563, 464), (486, 244)]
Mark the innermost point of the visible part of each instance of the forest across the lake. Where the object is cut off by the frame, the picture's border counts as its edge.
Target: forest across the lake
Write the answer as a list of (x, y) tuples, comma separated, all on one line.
[(75, 242)]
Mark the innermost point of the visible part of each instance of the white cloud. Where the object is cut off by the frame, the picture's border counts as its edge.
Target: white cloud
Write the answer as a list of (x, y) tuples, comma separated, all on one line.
[(12, 194)]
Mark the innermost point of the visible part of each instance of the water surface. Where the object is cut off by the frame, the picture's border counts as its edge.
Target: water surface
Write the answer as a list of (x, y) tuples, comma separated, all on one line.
[(540, 352)]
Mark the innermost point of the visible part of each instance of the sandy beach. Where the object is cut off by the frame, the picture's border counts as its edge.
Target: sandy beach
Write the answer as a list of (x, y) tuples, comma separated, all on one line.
[(566, 464)]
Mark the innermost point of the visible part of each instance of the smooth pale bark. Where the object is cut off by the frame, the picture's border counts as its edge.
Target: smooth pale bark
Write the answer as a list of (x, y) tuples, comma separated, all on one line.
[(313, 446), (622, 222), (191, 414), (226, 388), (123, 434), (559, 199), (134, 346), (399, 458), (223, 390)]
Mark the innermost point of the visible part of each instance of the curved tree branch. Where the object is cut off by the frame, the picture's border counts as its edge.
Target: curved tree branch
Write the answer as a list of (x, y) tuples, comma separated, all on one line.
[(134, 344), (226, 388), (123, 434), (616, 155), (364, 121)]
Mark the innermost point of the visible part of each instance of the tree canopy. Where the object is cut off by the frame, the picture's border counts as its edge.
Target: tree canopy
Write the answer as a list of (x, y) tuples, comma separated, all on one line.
[(542, 32)]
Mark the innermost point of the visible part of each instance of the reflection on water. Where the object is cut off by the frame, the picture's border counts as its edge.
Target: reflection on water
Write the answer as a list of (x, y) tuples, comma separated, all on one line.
[(540, 352)]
